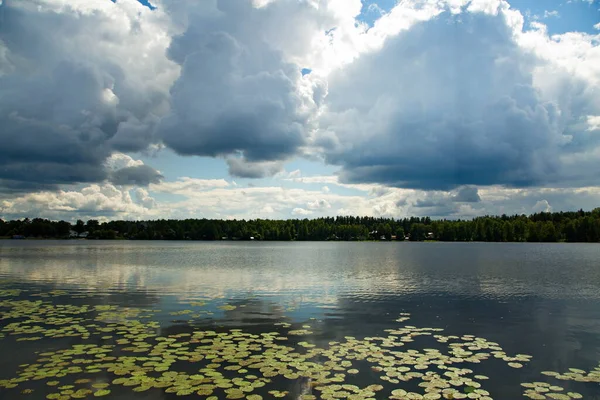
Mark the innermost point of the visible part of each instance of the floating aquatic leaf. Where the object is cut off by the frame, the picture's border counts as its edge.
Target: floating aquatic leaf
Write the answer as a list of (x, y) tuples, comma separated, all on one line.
[(558, 396), (141, 359), (299, 332)]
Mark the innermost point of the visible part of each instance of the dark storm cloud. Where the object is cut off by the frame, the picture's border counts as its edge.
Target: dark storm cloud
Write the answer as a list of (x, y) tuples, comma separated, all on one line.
[(40, 175), (9, 187), (34, 151), (139, 175)]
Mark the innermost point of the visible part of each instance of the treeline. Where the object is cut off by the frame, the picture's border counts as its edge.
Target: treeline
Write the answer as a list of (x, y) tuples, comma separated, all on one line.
[(578, 226)]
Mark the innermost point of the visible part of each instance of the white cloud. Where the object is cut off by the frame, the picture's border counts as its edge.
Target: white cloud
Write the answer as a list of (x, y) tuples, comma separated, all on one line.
[(491, 7), (295, 174), (188, 186), (118, 161), (96, 201), (593, 122), (332, 179), (143, 198), (542, 206), (301, 212), (267, 210), (216, 199), (550, 14), (547, 14), (318, 204), (373, 7)]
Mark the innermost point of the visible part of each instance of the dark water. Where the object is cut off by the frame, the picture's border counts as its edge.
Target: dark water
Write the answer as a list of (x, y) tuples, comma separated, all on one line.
[(541, 300)]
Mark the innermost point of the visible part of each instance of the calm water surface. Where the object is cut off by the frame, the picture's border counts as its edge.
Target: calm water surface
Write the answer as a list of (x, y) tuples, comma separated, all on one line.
[(541, 300)]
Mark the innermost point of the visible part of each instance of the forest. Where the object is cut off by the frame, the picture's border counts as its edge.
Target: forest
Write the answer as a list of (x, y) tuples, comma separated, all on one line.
[(577, 226)]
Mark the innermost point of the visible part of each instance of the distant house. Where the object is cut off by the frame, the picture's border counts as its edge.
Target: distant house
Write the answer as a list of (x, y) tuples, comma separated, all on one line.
[(394, 237), (73, 234), (430, 235)]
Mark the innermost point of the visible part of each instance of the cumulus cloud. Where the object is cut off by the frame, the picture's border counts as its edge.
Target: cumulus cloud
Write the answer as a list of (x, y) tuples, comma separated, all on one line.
[(82, 80), (593, 122), (542, 206), (463, 98), (301, 211), (240, 89), (318, 204), (78, 81), (143, 198), (95, 201), (125, 170), (217, 199), (117, 161)]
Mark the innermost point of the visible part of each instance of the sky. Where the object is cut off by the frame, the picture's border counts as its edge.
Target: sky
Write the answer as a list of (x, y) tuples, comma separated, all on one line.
[(127, 109)]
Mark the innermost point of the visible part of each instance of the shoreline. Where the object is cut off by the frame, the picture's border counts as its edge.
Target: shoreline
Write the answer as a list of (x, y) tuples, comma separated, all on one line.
[(273, 241)]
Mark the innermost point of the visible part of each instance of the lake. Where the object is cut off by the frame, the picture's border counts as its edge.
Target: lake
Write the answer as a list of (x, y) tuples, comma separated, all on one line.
[(157, 320)]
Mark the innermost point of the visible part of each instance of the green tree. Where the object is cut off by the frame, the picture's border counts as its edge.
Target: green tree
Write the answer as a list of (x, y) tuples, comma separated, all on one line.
[(63, 228), (79, 226), (92, 225)]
